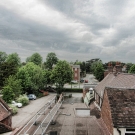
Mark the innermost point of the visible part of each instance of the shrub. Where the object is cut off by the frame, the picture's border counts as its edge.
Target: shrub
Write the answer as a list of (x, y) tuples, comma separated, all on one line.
[(14, 109), (23, 99)]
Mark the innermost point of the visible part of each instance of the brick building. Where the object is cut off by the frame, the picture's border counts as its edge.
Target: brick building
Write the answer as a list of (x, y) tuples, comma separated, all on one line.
[(76, 72), (5, 117), (119, 80), (118, 110)]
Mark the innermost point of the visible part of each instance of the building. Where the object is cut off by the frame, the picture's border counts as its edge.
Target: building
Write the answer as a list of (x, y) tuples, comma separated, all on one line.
[(5, 117), (119, 80), (76, 72), (118, 110)]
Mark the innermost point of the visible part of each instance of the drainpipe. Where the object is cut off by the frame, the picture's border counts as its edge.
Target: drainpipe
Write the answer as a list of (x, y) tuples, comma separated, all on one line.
[(119, 131)]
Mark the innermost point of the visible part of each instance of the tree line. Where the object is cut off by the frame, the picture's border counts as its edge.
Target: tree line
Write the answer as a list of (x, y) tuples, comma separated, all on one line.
[(28, 77)]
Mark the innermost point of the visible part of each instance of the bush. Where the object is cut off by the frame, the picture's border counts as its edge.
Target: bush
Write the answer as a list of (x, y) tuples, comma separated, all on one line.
[(14, 109), (23, 99)]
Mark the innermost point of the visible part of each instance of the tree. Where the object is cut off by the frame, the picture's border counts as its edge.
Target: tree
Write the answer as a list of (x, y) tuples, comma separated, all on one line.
[(128, 66), (14, 59), (132, 69), (12, 89), (61, 74), (8, 94), (14, 84), (31, 76), (99, 72), (3, 57), (7, 69), (46, 77), (51, 59), (35, 58)]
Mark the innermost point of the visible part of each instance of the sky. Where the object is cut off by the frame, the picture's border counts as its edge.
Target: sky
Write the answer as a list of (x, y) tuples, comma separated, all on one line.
[(72, 29)]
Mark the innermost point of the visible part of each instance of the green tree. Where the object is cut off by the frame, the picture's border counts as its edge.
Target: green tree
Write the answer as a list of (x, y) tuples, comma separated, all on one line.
[(6, 69), (25, 78), (51, 59), (132, 69), (14, 84), (3, 57), (31, 76), (99, 72), (128, 66), (46, 77), (8, 94), (61, 74), (14, 59), (35, 58)]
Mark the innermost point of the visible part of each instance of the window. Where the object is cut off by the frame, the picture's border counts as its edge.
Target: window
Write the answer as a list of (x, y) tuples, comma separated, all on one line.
[(130, 131)]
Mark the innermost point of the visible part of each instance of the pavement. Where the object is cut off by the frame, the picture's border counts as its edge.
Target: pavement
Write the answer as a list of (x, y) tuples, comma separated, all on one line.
[(27, 112)]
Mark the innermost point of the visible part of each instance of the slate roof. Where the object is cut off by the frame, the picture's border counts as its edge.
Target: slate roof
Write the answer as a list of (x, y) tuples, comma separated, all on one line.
[(122, 105), (121, 80)]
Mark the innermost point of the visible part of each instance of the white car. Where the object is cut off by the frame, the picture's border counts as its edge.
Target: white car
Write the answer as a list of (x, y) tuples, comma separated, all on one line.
[(17, 104)]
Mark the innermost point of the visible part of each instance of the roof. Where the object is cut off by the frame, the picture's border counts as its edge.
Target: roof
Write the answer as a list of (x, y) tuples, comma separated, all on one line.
[(122, 105), (121, 80), (4, 128), (101, 86), (4, 110)]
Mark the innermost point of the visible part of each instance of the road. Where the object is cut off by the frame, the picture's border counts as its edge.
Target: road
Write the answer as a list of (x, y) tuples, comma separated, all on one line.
[(26, 112), (91, 80)]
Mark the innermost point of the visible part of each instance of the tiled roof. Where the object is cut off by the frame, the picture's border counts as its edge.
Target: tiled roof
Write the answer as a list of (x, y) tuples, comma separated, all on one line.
[(121, 80), (101, 86), (122, 105), (4, 110)]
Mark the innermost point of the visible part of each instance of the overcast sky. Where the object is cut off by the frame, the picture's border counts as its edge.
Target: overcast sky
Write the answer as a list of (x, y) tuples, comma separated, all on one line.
[(73, 29)]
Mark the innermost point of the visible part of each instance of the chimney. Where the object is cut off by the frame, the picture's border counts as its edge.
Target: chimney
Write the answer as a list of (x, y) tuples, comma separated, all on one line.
[(110, 67), (118, 67)]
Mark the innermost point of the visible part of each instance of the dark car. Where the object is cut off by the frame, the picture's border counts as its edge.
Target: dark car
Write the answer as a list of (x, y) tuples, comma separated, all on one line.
[(81, 80), (50, 89), (32, 97)]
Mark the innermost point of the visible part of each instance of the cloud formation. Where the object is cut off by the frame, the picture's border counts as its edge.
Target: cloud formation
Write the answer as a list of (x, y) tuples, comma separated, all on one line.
[(73, 29)]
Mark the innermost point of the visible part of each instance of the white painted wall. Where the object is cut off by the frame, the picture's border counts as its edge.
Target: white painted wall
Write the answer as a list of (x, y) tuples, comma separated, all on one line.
[(117, 133)]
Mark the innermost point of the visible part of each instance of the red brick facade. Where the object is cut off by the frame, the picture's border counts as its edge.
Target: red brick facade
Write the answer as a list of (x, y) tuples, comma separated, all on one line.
[(106, 113), (76, 72)]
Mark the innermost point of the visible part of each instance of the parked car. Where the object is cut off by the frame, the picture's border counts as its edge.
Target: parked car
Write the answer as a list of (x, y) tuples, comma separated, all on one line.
[(32, 97), (17, 104), (50, 89), (86, 81), (81, 80)]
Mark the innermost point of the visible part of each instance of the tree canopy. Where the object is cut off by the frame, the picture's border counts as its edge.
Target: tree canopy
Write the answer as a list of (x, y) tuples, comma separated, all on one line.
[(132, 69), (61, 74), (51, 60), (3, 57), (14, 59), (35, 58)]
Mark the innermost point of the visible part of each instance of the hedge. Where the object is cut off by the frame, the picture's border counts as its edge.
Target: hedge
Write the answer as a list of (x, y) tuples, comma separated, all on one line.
[(72, 90)]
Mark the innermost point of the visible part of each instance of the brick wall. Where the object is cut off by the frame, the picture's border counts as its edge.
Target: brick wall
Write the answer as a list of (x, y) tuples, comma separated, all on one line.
[(106, 113)]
